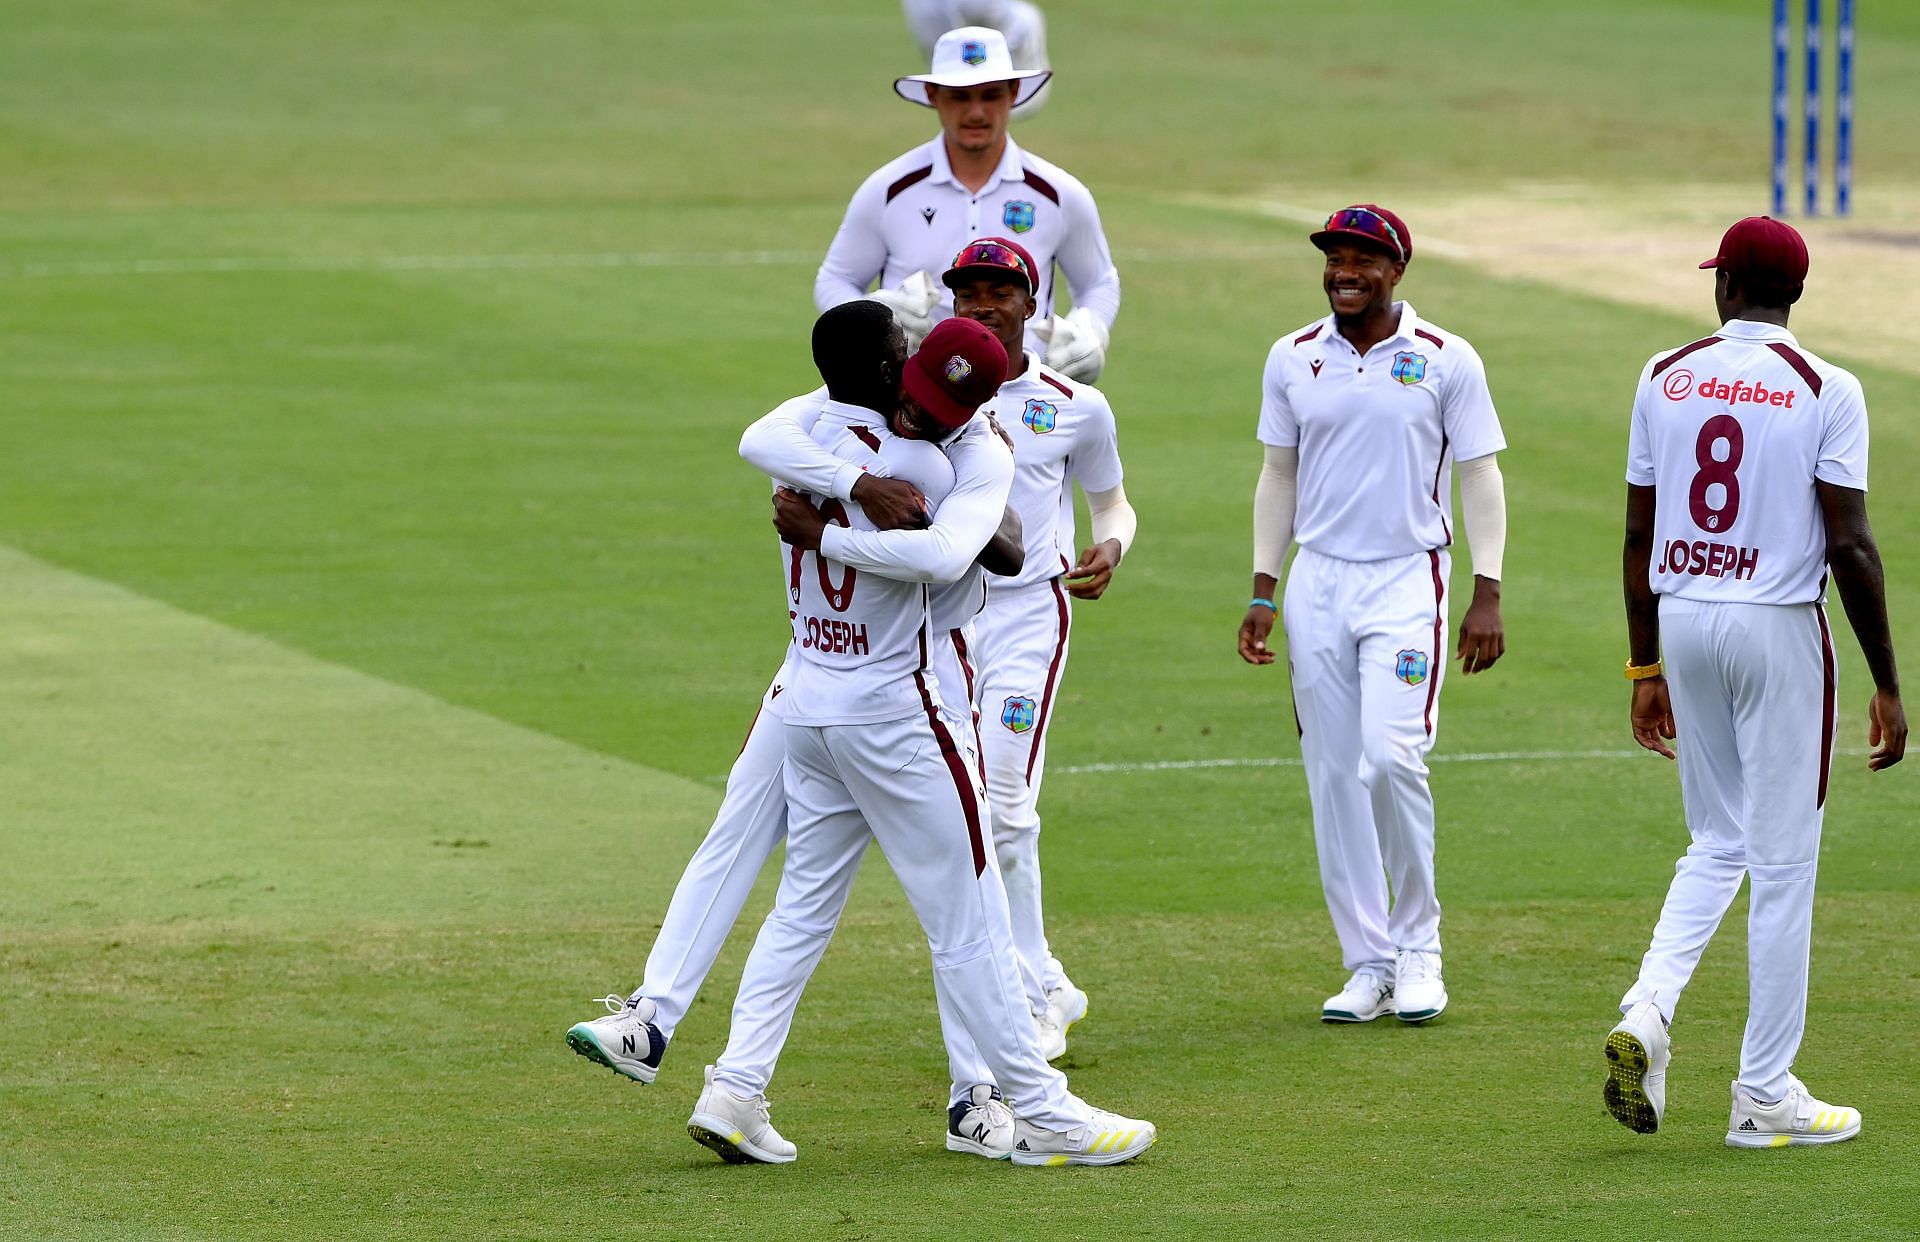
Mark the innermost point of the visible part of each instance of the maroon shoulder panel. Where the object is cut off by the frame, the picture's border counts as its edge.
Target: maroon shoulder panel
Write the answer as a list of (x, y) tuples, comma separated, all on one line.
[(1309, 334), (1064, 390), (1425, 335), (1044, 186), (1798, 363), (1682, 352), (908, 182), (866, 437)]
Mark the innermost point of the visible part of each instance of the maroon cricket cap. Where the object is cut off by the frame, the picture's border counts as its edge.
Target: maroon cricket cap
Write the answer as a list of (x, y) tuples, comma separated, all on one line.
[(1763, 246), (990, 255), (957, 370), (1368, 222)]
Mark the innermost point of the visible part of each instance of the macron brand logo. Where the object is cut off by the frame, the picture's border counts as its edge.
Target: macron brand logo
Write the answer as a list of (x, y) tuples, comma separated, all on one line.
[(1679, 385), (1316, 364)]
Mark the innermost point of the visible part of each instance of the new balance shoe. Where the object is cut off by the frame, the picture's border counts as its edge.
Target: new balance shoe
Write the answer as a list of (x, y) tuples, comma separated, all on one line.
[(1637, 1052), (625, 1041), (1367, 996), (1795, 1121), (1106, 1139), (1418, 993), (736, 1126), (980, 1124)]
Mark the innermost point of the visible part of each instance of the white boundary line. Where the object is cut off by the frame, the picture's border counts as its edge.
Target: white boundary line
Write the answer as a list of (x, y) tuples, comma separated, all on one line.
[(1489, 756)]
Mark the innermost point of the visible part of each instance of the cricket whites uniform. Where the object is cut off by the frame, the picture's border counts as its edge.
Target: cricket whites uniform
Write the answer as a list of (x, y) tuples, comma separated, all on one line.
[(1733, 431), (1365, 605), (871, 756), (913, 215)]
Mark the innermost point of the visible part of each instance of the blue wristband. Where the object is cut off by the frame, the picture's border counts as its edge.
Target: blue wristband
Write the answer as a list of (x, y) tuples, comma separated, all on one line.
[(1262, 602)]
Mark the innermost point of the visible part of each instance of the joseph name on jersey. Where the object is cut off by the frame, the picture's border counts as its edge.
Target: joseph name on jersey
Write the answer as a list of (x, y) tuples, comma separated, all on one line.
[(913, 215), (859, 638), (1377, 434), (1732, 431), (1063, 432)]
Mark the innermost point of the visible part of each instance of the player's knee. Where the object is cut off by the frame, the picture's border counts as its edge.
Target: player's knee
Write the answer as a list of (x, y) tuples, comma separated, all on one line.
[(801, 926), (1385, 759), (1780, 873)]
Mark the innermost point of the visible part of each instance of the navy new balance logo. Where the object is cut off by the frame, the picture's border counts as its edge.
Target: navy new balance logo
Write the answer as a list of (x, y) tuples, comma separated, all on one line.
[(626, 1045)]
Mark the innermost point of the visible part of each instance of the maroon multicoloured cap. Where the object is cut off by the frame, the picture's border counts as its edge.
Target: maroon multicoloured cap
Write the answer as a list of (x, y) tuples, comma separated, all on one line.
[(1763, 246), (992, 255), (1368, 222), (957, 370)]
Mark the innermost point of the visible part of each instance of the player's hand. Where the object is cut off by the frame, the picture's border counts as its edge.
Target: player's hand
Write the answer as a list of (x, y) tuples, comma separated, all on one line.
[(1089, 579), (1652, 715), (1483, 638), (798, 522), (1255, 628), (1886, 729), (891, 504)]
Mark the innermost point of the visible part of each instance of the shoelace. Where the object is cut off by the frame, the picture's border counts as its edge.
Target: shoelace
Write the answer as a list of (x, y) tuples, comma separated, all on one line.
[(614, 1004), (1420, 966)]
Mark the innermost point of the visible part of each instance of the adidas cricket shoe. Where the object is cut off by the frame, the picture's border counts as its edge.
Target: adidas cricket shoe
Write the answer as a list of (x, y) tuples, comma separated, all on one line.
[(1066, 1005), (1367, 996), (1107, 1138), (1418, 994), (981, 1124), (736, 1126), (625, 1041), (1797, 1120), (1637, 1053)]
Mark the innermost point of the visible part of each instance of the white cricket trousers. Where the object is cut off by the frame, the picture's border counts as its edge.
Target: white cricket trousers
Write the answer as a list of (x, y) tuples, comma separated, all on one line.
[(1753, 689), (1366, 647), (1020, 654), (907, 784)]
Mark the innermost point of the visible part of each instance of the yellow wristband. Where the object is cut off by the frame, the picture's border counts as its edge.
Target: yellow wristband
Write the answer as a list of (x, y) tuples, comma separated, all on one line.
[(1640, 672)]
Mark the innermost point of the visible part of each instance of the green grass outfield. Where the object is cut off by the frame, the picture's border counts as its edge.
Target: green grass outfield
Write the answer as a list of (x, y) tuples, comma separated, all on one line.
[(381, 600)]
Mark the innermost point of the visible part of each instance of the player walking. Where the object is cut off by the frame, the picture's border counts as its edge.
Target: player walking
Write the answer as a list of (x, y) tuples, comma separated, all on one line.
[(906, 220), (1063, 433), (1747, 479), (1365, 412)]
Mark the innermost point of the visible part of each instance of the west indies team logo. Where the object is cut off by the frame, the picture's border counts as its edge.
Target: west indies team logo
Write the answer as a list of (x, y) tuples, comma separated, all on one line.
[(1017, 216), (1040, 416), (1409, 368), (1017, 714), (1410, 667), (973, 52), (958, 368)]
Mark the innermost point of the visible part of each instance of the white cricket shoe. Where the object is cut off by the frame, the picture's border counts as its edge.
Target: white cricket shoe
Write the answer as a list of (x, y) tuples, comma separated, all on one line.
[(625, 1041), (981, 1124), (1053, 1040), (1066, 1005), (1637, 1053), (1797, 1120), (1418, 994), (1107, 1139), (1367, 996), (736, 1127)]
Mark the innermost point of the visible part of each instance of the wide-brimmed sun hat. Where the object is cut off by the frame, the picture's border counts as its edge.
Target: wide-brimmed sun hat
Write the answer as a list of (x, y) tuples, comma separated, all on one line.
[(972, 56)]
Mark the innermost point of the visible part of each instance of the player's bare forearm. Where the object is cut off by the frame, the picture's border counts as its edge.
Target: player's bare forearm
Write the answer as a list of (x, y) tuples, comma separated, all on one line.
[(1636, 566), (1483, 635), (1854, 558), (1257, 626), (1005, 553)]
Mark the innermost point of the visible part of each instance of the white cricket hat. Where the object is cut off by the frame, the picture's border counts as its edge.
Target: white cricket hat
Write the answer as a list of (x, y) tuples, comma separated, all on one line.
[(971, 56)]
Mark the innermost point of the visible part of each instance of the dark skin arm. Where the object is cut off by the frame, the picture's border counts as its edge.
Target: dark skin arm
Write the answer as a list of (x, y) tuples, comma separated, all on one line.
[(1652, 711), (1854, 558), (798, 522), (1257, 626), (1089, 579), (1005, 553), (891, 504), (1483, 638)]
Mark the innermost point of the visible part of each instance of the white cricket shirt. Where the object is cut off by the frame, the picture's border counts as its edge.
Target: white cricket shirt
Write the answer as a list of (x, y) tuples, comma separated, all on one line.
[(1732, 431), (859, 638), (1063, 433), (1378, 434), (913, 215)]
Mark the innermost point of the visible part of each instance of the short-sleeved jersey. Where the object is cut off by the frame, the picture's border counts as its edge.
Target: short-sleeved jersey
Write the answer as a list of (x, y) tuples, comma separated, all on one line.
[(1378, 434), (913, 215), (1063, 433), (859, 638), (1732, 431)]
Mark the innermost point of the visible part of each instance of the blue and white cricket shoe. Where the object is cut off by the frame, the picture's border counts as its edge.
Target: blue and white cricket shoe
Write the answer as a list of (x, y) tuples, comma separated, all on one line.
[(625, 1041)]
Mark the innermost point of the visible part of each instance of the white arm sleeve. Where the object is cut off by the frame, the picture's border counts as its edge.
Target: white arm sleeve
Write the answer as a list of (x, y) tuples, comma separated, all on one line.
[(778, 446), (1113, 517), (1483, 508), (1085, 257), (962, 524), (859, 249), (1273, 500)]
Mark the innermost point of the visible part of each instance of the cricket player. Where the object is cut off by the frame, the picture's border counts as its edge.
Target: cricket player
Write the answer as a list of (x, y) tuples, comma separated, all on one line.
[(1365, 413), (1023, 24), (1063, 433), (860, 352), (1746, 485), (910, 217), (869, 754)]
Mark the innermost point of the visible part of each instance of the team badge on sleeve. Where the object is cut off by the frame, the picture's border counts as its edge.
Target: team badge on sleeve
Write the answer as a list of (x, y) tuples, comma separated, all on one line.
[(1040, 416), (1411, 667), (1017, 216), (1409, 368), (1017, 714)]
